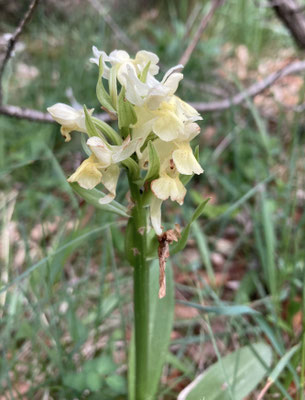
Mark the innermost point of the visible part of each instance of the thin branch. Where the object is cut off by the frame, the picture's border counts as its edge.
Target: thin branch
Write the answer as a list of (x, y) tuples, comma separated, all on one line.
[(119, 33), (202, 26), (251, 91), (34, 115), (290, 13), (13, 40)]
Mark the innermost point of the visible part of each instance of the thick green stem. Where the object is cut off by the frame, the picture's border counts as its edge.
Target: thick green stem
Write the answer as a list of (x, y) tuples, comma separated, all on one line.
[(141, 294)]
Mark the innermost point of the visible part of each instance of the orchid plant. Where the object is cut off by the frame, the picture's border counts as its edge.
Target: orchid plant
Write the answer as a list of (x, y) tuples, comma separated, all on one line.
[(152, 143)]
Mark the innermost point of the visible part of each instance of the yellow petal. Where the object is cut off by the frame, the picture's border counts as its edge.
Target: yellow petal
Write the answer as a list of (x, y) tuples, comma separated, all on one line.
[(87, 174), (168, 126), (185, 161), (110, 180), (165, 187)]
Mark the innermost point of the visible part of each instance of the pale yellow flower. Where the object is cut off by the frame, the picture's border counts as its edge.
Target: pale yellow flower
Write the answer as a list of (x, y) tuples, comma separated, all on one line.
[(172, 121), (69, 119), (88, 174)]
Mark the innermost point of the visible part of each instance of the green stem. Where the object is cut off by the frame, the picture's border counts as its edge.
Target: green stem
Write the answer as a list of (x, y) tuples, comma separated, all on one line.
[(141, 294), (302, 383)]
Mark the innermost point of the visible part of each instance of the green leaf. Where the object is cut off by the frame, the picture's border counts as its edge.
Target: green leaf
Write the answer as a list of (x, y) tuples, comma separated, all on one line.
[(75, 380), (221, 310), (91, 129), (144, 73), (45, 261), (233, 377), (185, 233), (116, 383), (113, 91), (154, 163), (284, 361), (161, 322), (161, 316), (93, 381), (133, 168), (126, 112), (108, 131), (92, 197), (101, 93)]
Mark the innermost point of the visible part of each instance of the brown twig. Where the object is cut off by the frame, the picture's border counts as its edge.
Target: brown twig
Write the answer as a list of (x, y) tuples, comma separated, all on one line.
[(251, 91), (34, 115), (290, 13), (13, 40), (119, 33), (203, 24)]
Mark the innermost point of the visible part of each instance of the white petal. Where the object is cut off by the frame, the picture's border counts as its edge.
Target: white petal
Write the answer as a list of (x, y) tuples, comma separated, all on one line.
[(176, 68), (185, 111), (173, 81), (63, 114), (135, 89), (155, 214), (118, 57), (143, 57), (191, 130), (96, 60), (100, 149), (124, 151)]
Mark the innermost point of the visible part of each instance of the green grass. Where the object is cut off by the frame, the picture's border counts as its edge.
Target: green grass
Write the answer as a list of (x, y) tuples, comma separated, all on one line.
[(65, 302)]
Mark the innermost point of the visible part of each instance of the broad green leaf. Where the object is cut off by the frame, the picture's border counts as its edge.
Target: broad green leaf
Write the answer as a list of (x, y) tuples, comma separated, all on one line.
[(117, 383), (185, 233), (154, 163), (126, 113), (160, 325), (101, 93), (161, 316), (233, 377), (92, 197)]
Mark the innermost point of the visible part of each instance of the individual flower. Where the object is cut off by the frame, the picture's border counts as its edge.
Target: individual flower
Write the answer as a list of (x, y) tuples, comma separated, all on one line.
[(120, 59), (176, 158), (172, 121), (69, 119), (101, 166), (139, 89), (151, 92)]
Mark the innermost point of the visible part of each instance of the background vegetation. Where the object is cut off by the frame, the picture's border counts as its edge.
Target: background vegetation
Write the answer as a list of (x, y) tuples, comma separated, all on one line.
[(66, 315)]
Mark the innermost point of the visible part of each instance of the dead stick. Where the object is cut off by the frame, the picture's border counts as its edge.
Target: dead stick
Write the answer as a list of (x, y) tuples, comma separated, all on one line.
[(251, 91), (35, 115), (13, 40)]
